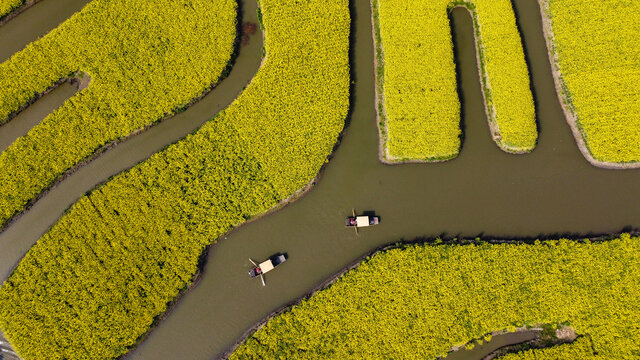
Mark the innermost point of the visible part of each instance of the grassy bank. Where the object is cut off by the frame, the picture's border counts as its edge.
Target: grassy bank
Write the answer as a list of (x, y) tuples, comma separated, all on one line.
[(146, 61), (95, 283), (420, 109), (419, 301)]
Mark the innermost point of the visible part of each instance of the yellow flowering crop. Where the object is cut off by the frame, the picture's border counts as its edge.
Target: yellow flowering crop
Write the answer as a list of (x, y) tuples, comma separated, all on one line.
[(6, 6), (418, 301), (421, 112), (597, 52), (580, 349), (146, 60), (95, 282)]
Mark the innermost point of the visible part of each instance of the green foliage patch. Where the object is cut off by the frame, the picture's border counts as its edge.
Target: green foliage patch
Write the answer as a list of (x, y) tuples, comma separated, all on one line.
[(419, 301)]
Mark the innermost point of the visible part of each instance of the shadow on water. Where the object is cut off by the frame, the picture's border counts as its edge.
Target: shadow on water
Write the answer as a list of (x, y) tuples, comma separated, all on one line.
[(549, 192)]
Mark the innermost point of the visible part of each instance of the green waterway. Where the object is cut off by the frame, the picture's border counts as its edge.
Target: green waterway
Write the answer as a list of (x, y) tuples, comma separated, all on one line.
[(482, 192)]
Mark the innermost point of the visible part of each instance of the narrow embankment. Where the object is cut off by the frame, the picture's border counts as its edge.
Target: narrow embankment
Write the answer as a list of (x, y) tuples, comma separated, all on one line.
[(608, 116), (34, 113)]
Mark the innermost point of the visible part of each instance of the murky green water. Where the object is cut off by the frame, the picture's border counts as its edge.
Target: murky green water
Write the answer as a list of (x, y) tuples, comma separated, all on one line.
[(483, 192)]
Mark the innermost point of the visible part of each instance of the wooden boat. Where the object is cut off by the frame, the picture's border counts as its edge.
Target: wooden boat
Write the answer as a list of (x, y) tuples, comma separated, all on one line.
[(361, 221), (266, 266)]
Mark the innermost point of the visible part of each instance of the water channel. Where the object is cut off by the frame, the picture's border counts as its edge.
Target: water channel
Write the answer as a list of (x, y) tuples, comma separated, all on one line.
[(484, 191)]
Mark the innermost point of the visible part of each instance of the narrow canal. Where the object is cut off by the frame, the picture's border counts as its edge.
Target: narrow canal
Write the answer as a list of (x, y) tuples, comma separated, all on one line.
[(484, 192)]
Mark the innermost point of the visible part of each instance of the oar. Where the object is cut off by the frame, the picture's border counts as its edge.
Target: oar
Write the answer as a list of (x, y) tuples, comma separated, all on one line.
[(253, 262), (353, 212)]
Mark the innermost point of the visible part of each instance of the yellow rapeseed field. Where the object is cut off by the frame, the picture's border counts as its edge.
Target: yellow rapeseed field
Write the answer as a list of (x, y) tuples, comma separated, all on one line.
[(6, 6), (597, 49), (421, 111), (580, 349), (146, 60), (95, 282), (418, 301)]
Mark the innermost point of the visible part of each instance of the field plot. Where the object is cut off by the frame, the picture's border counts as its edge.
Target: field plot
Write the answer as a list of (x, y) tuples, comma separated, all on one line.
[(95, 283), (420, 110), (145, 60), (595, 51), (418, 301), (6, 6)]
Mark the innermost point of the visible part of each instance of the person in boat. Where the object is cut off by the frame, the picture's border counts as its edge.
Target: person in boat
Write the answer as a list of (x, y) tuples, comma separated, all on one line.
[(352, 221)]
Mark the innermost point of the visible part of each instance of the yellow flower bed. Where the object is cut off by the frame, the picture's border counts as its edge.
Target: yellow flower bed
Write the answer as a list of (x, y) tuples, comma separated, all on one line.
[(6, 6), (579, 350), (598, 56), (418, 301), (94, 283), (421, 110), (146, 60)]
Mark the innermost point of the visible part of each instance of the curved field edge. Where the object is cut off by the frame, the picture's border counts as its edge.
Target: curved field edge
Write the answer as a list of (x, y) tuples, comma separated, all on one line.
[(138, 79), (107, 270), (528, 127), (566, 97), (422, 300), (580, 349)]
